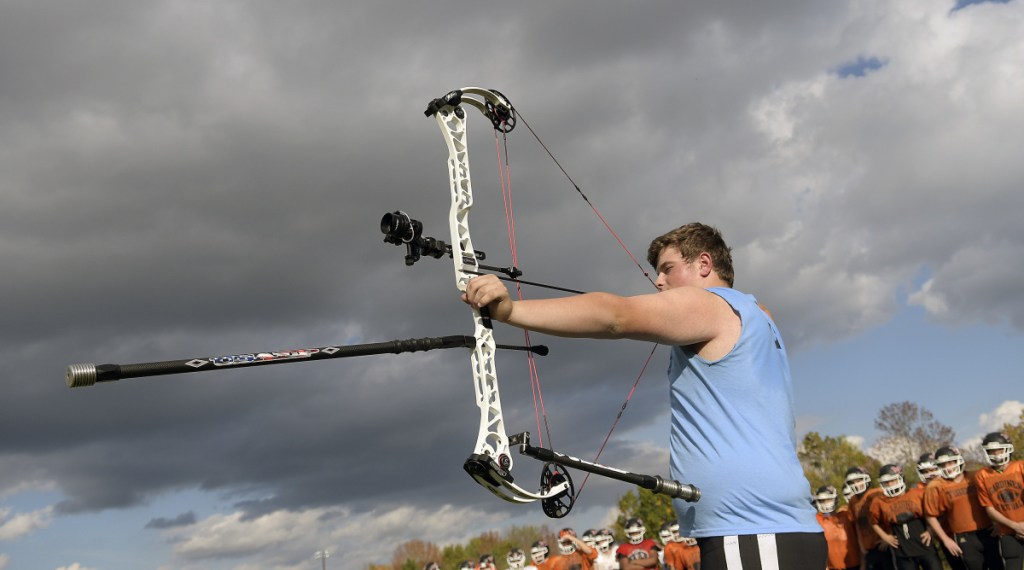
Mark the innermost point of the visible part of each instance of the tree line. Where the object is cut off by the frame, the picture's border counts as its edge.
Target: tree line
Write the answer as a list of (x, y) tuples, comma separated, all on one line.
[(907, 431)]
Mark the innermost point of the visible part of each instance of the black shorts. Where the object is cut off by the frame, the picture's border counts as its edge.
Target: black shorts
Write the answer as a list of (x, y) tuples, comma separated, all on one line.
[(981, 550), (783, 551), (1011, 549)]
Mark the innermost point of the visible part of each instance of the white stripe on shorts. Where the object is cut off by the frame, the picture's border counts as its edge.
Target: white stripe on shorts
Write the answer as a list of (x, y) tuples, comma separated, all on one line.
[(769, 551), (731, 545)]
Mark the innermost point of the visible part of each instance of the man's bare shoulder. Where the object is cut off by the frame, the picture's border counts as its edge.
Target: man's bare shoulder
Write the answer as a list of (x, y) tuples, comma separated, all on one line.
[(680, 316)]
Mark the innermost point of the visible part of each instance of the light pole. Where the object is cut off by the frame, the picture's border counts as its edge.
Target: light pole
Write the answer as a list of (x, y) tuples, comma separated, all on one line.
[(322, 555)]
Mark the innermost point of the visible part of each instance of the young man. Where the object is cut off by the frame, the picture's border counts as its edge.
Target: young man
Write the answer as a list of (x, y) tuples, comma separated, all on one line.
[(926, 469), (638, 553), (953, 498), (733, 426), (606, 560), (1001, 493), (898, 519), (516, 559), (573, 553), (681, 553), (840, 530), (539, 555)]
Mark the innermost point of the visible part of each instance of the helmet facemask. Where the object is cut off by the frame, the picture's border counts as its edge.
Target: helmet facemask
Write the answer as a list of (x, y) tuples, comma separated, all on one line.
[(825, 500), (539, 553), (951, 465), (635, 531), (998, 453), (892, 485), (858, 482), (604, 540), (927, 470), (516, 559)]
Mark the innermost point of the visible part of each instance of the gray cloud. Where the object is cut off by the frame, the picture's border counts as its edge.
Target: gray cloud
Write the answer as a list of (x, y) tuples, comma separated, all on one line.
[(161, 523), (191, 180)]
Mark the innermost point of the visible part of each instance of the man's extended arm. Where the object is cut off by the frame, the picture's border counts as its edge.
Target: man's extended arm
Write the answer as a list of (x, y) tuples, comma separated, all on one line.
[(681, 316)]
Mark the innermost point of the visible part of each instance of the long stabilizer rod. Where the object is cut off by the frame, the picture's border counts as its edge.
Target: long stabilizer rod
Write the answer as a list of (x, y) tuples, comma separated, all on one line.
[(89, 374), (653, 483)]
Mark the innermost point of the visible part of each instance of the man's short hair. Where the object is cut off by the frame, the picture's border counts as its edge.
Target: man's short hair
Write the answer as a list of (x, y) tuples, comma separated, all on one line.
[(691, 240)]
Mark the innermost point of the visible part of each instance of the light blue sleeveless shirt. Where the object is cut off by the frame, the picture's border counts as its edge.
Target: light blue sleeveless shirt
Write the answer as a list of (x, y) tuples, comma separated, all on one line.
[(733, 434)]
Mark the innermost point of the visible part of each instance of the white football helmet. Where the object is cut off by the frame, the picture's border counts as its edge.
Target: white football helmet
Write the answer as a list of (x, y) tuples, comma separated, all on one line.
[(825, 499), (665, 534), (858, 480), (998, 449), (926, 468), (566, 545), (950, 461), (539, 552), (635, 530), (590, 538), (890, 479), (516, 559), (847, 493), (674, 527), (604, 540)]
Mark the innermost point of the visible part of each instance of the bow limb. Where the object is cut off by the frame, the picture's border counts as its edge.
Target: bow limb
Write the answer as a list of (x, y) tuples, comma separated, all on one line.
[(491, 463)]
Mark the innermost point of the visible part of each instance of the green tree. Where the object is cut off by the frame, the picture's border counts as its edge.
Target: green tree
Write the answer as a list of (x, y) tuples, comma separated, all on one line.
[(1016, 435), (414, 554), (826, 459), (654, 509)]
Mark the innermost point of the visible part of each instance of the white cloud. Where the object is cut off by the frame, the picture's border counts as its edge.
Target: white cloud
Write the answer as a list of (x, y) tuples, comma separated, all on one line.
[(281, 537), (856, 440), (934, 303), (1006, 413), (27, 486), (75, 566), (19, 525), (4, 561), (893, 449)]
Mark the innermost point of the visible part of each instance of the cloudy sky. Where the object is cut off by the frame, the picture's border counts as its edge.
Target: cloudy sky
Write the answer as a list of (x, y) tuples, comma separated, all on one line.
[(188, 179)]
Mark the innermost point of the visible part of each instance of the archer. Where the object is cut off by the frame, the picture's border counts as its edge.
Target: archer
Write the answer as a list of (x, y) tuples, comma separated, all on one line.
[(730, 395)]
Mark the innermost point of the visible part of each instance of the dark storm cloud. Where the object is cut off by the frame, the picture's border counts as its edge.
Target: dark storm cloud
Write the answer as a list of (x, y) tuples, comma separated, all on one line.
[(187, 180), (160, 523)]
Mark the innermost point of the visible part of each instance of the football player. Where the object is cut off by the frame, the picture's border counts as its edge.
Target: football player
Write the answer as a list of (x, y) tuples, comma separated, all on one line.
[(874, 555), (1001, 493), (539, 555), (516, 559), (953, 498), (840, 530), (605, 553), (898, 520), (574, 554), (638, 553), (926, 468)]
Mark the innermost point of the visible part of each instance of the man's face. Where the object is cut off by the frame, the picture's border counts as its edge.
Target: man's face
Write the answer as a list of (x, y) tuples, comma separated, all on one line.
[(674, 271), (950, 469), (927, 472)]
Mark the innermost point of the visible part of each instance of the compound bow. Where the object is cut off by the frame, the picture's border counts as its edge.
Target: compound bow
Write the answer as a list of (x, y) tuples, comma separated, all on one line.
[(490, 465)]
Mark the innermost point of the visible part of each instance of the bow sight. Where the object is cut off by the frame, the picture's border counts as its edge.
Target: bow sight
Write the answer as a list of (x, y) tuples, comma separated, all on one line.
[(398, 228)]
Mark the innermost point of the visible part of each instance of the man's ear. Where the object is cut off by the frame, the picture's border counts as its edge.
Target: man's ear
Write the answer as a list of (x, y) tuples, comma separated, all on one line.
[(705, 265)]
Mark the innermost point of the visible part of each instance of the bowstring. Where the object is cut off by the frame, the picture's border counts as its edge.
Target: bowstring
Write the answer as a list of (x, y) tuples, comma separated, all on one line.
[(505, 174), (639, 266)]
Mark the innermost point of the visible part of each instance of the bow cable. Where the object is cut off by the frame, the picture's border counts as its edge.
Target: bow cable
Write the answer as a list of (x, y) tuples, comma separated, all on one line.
[(505, 176)]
